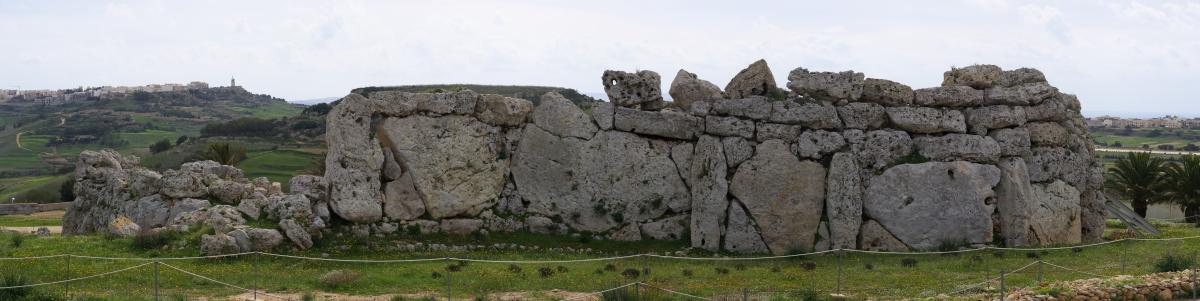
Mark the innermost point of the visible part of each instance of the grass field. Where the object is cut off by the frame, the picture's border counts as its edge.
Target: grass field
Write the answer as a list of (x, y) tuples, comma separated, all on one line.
[(277, 165), (12, 187), (40, 219), (862, 275)]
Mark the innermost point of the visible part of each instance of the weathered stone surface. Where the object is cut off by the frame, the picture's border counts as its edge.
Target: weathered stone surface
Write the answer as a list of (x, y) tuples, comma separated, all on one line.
[(975, 76), (401, 201), (874, 237), (809, 114), (951, 96), (391, 168), (460, 226), (122, 226), (1014, 202), (729, 126), (982, 119), (862, 115), (755, 107), (880, 148), (1055, 219), (931, 203), (149, 212), (1093, 215), (668, 228), (178, 184), (263, 239), (313, 187), (559, 116), (631, 90), (355, 161), (815, 144), (754, 80), (826, 85), (603, 112), (629, 232), (741, 235), (887, 93), (1020, 76), (224, 218), (218, 244), (1049, 163), (708, 190), (687, 88), (296, 233), (401, 104), (1021, 95), (784, 195), (1013, 142), (769, 131), (682, 155), (229, 191), (502, 111), (143, 182), (737, 150), (927, 120), (843, 205), (544, 225), (453, 160), (823, 243), (1047, 134), (959, 147), (669, 124)]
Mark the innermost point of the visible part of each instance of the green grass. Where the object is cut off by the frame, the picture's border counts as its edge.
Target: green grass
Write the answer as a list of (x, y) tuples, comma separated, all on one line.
[(269, 111), (10, 187), (879, 276), (29, 221), (276, 165)]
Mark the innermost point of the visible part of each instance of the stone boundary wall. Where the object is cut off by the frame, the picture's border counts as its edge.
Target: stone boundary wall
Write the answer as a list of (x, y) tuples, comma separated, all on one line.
[(837, 160), (28, 208)]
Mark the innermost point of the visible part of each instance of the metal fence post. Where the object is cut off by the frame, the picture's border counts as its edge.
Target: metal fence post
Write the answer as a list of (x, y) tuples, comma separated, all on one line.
[(840, 253), (1124, 252), (68, 283), (1193, 276), (1041, 268), (448, 272), (1002, 285), (156, 295), (745, 294), (257, 275)]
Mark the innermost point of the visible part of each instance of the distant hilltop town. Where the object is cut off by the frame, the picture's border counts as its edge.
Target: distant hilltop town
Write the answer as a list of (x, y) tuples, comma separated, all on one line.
[(81, 93), (1168, 121)]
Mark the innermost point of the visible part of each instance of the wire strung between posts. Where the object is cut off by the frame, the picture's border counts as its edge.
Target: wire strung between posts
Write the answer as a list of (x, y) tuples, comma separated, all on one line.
[(219, 282), (1172, 219), (76, 279), (599, 292), (33, 257), (547, 261), (358, 260), (675, 292), (743, 258), (161, 259), (1074, 270), (992, 279)]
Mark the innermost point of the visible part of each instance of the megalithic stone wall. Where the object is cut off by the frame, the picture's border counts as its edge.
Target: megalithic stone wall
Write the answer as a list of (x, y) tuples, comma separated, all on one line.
[(991, 157)]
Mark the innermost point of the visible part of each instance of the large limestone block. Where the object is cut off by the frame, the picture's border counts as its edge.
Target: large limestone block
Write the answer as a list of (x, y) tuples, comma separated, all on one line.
[(453, 161), (785, 196), (401, 201), (179, 184), (826, 85), (741, 236), (1020, 95), (633, 90), (708, 190), (729, 126), (975, 76), (982, 119), (755, 107), (951, 96), (669, 228), (603, 112), (815, 144), (956, 147), (809, 114), (881, 148), (687, 88), (756, 79), (1048, 163), (769, 131), (737, 150), (1020, 76), (1047, 134), (887, 93), (354, 162), (1014, 202), (862, 115), (502, 111), (927, 120), (843, 205), (873, 237), (1093, 215), (218, 244), (925, 205), (401, 104), (559, 116), (313, 187), (669, 124), (1013, 142), (1055, 219)]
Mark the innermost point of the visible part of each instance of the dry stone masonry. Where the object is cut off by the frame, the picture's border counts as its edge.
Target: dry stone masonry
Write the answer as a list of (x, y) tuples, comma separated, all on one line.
[(838, 160)]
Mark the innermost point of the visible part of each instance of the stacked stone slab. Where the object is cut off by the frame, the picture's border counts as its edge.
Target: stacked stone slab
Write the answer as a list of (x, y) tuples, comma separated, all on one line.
[(991, 157)]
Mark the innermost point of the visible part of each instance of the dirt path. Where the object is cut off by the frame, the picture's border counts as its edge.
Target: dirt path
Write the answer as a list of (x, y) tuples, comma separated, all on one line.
[(19, 142), (1155, 151), (27, 230)]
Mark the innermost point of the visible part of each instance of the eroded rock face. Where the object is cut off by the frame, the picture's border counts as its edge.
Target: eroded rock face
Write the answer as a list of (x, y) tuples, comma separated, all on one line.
[(741, 236), (1055, 216), (783, 194), (874, 237), (453, 161), (931, 203), (687, 88), (927, 120), (633, 90), (975, 76), (755, 80), (1014, 201), (826, 85), (955, 147), (843, 206), (886, 92), (708, 190), (559, 116), (353, 175)]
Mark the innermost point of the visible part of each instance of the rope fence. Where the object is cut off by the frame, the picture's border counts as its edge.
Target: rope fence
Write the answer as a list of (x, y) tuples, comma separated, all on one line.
[(992, 271)]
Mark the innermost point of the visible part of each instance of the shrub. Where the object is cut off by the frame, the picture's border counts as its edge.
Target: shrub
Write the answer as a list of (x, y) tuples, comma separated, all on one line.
[(869, 266), (631, 273), (1076, 250), (908, 262), (721, 270), (515, 269), (150, 240), (14, 293), (806, 295), (308, 296), (338, 278), (1032, 255), (610, 267), (453, 268), (66, 191), (160, 146), (17, 240), (435, 275), (687, 273), (739, 267), (224, 153), (561, 269), (545, 272), (951, 245), (809, 265), (776, 269), (1171, 263)]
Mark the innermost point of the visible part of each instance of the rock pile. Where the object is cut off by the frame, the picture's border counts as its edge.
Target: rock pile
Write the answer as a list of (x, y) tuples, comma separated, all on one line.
[(115, 196), (836, 161), (1160, 286)]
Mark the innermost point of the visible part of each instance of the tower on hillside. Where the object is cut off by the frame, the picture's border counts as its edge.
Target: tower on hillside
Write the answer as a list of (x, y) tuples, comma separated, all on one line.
[(232, 82)]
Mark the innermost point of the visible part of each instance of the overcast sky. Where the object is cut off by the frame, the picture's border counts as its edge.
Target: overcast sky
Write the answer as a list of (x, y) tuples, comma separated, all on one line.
[(1118, 56)]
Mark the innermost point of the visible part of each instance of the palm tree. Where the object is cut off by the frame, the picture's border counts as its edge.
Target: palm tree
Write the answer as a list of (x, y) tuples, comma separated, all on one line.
[(1184, 186), (1138, 177), (224, 153)]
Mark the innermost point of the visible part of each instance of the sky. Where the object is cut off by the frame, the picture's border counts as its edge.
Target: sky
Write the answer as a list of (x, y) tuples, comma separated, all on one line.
[(1119, 57)]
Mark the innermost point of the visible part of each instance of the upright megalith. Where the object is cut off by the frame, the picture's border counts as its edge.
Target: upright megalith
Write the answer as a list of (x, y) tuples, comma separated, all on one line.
[(935, 203), (355, 192), (784, 196), (709, 192)]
